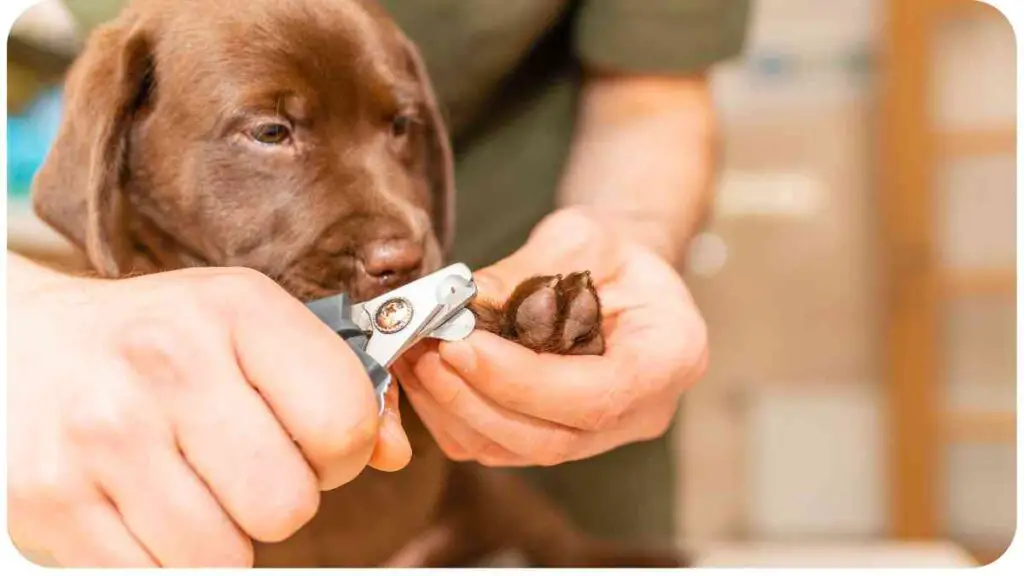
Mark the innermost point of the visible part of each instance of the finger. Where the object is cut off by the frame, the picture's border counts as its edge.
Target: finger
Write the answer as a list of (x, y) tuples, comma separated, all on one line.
[(454, 436), (436, 423), (493, 434), (459, 441), (310, 378), (94, 536), (393, 451), (229, 436), (403, 373), (580, 392), (455, 433), (166, 506), (456, 440)]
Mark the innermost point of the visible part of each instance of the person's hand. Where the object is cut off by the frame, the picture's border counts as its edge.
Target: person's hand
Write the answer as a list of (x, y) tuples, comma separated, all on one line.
[(493, 401), (170, 419)]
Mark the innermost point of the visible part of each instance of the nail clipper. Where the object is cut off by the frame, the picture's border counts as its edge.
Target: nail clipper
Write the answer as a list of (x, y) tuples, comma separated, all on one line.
[(381, 329)]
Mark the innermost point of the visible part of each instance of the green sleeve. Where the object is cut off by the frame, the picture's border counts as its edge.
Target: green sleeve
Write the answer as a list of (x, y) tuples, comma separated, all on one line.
[(89, 14), (660, 36)]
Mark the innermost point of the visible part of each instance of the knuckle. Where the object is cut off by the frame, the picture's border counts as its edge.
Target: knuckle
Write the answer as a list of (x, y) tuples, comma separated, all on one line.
[(700, 366), (234, 287), (246, 282), (47, 490), (238, 554), (457, 454), (491, 453), (289, 511), (694, 354), (448, 397), (340, 440), (155, 349), (550, 457), (691, 368), (340, 452), (151, 333), (492, 461), (558, 449), (109, 420), (479, 447), (657, 427), (606, 413), (455, 451)]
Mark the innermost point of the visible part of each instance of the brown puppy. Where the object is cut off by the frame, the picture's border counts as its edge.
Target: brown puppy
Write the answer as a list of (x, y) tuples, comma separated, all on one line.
[(302, 139)]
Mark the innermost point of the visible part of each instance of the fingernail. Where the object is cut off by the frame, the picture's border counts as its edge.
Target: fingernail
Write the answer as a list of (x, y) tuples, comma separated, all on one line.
[(393, 450), (393, 431), (460, 356), (391, 402)]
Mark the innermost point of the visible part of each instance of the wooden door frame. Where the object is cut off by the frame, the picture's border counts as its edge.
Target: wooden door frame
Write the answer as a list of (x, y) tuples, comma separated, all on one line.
[(908, 257), (911, 148)]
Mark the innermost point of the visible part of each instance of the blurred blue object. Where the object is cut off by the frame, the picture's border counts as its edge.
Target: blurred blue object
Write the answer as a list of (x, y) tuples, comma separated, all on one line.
[(774, 66), (29, 137)]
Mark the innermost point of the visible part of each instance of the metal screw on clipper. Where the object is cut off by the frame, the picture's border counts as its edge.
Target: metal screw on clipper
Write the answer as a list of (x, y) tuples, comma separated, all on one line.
[(381, 329)]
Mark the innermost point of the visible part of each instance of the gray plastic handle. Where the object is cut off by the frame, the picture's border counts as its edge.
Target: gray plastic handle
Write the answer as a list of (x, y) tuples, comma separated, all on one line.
[(335, 311)]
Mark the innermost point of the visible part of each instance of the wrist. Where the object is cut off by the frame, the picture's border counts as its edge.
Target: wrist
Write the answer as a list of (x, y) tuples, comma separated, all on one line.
[(644, 230), (654, 236)]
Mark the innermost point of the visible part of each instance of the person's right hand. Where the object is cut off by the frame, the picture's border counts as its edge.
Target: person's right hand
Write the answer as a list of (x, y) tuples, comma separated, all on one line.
[(167, 419)]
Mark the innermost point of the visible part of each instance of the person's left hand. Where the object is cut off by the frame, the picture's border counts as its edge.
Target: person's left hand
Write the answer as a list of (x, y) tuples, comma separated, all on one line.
[(496, 402)]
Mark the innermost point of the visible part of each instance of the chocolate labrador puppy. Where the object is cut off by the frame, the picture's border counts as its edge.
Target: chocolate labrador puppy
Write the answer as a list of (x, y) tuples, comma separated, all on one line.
[(302, 139)]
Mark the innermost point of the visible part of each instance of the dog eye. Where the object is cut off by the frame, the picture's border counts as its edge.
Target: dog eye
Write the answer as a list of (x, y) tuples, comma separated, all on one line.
[(400, 125), (270, 134)]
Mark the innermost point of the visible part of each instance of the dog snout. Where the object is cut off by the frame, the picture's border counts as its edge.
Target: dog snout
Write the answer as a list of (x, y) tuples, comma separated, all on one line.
[(392, 261)]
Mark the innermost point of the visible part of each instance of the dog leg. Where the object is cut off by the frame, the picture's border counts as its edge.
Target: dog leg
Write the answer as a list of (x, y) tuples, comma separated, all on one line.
[(444, 545), (491, 511), (554, 314)]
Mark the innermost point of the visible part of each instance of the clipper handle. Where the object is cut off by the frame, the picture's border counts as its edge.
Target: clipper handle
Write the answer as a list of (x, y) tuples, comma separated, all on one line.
[(335, 311)]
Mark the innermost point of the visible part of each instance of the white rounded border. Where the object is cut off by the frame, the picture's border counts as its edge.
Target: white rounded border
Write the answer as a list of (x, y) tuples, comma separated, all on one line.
[(12, 562)]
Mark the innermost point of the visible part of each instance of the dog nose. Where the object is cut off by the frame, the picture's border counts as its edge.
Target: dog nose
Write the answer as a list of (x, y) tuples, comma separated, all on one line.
[(391, 260)]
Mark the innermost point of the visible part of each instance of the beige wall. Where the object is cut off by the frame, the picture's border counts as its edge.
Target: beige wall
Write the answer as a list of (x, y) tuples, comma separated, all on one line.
[(786, 436)]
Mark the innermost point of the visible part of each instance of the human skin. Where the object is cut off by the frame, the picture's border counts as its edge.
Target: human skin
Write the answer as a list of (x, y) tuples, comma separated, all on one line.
[(636, 189), (212, 388)]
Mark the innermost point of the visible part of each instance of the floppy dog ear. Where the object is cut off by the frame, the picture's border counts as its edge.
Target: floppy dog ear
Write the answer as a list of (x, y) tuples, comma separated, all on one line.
[(440, 165), (78, 189)]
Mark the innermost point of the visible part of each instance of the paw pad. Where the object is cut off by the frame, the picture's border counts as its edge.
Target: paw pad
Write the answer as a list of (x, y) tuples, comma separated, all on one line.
[(555, 314)]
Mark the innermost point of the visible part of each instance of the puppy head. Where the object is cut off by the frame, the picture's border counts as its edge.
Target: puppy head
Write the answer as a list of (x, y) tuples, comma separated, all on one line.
[(301, 139)]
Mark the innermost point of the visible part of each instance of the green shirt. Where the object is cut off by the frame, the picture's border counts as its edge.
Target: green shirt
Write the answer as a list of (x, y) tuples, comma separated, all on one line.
[(508, 75)]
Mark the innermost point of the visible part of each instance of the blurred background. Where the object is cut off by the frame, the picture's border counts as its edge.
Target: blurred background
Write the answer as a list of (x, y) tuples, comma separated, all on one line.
[(859, 282)]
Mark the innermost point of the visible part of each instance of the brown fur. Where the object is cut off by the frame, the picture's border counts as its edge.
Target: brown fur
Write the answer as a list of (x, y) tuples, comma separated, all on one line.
[(157, 166)]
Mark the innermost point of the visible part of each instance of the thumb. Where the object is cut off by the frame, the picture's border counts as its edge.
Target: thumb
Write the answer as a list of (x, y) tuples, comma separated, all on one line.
[(568, 240), (393, 451)]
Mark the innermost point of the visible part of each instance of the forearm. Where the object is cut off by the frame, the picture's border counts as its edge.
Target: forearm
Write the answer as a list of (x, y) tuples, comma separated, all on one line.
[(645, 154)]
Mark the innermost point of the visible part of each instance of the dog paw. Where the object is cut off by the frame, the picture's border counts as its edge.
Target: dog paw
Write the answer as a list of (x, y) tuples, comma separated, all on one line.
[(555, 314)]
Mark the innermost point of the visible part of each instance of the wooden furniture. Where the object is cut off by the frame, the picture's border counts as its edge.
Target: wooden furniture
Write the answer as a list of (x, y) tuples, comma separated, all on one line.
[(920, 285)]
